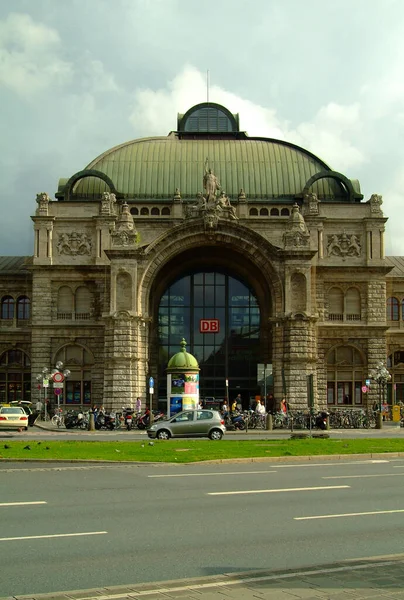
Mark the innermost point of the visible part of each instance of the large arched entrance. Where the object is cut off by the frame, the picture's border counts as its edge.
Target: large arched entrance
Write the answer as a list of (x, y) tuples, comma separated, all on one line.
[(208, 284)]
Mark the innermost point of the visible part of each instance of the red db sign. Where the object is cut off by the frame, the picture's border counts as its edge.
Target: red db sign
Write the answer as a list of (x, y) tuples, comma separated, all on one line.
[(209, 326)]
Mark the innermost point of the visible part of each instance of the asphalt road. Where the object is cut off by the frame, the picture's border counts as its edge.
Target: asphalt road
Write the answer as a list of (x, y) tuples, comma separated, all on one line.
[(92, 526)]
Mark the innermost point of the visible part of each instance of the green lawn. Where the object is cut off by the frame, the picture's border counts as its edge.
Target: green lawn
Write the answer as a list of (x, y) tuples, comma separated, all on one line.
[(185, 451)]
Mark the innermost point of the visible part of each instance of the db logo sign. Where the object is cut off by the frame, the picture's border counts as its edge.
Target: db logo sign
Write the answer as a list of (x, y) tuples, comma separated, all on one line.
[(209, 326)]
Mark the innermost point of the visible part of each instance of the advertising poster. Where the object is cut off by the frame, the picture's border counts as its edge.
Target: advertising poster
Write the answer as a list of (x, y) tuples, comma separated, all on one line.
[(176, 405)]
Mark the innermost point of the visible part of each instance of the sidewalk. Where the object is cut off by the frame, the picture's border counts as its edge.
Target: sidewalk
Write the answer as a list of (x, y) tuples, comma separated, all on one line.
[(380, 578)]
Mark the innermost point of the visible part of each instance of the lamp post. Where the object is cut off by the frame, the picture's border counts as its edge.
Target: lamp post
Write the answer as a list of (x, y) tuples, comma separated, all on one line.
[(43, 379), (381, 375)]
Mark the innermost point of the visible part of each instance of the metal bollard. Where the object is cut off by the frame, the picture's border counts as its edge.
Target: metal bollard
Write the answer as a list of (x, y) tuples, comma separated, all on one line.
[(379, 420), (328, 423), (91, 423), (270, 422)]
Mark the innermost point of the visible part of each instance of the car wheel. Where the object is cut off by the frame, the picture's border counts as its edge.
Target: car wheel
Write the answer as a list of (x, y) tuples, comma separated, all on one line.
[(163, 434), (25, 428), (216, 434)]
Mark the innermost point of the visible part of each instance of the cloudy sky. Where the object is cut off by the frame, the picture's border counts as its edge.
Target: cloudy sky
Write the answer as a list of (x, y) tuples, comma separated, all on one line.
[(80, 76)]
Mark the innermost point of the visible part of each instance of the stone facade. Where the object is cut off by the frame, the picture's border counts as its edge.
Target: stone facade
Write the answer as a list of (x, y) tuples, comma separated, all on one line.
[(99, 267)]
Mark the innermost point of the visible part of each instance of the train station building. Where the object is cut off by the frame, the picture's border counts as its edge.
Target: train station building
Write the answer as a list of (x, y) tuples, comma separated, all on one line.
[(251, 249)]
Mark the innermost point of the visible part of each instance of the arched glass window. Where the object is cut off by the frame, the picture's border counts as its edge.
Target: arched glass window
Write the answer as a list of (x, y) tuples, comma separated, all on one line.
[(134, 211), (393, 307), (7, 307), (253, 212), (155, 211), (208, 119), (23, 308), (274, 212), (346, 374), (285, 212), (15, 376), (336, 304), (165, 211), (79, 361), (144, 211), (264, 212), (232, 351)]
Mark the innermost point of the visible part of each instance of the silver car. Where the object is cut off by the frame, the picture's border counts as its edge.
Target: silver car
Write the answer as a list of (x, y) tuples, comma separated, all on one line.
[(190, 423)]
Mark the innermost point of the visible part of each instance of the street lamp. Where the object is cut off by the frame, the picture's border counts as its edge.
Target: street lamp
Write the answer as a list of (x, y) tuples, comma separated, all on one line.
[(58, 377), (381, 375), (44, 379)]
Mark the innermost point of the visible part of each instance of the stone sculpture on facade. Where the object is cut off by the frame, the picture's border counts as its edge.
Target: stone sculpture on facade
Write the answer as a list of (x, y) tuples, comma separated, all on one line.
[(74, 244), (211, 184), (344, 245), (311, 203), (211, 207), (124, 233), (297, 234), (376, 202), (108, 203), (43, 204)]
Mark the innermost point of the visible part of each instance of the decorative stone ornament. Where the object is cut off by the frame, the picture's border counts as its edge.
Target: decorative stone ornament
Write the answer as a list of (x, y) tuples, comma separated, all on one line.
[(43, 204), (108, 203), (297, 234), (210, 207), (311, 204), (376, 202), (74, 244), (344, 245), (124, 233)]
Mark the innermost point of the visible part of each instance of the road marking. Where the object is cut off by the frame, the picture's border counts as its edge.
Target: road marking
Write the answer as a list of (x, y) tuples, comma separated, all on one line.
[(209, 474), (332, 464), (275, 491), (363, 476), (22, 503), (56, 535), (358, 514)]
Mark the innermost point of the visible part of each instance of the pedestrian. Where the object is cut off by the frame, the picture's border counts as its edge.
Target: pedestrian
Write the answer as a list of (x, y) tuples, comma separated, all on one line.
[(39, 407), (284, 406), (271, 404), (237, 400), (225, 408), (260, 408), (138, 405)]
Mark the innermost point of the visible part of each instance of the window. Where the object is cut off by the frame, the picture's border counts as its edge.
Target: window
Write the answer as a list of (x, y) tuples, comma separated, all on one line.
[(345, 376), (79, 361), (253, 212), (15, 376), (83, 301), (7, 307), (134, 211), (165, 211), (274, 212), (264, 212), (353, 304), (144, 211), (155, 211), (77, 305), (392, 313), (336, 304), (285, 212), (23, 308)]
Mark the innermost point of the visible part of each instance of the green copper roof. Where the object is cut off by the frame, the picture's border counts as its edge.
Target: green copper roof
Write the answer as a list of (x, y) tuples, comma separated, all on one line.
[(155, 167), (182, 360)]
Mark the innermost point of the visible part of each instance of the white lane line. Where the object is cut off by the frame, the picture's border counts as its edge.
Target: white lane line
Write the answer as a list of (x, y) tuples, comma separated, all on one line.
[(357, 514), (332, 464), (56, 535), (363, 476), (22, 503), (211, 474), (278, 490)]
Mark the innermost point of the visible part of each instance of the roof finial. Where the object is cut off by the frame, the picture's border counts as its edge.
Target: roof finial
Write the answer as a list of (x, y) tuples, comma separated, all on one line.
[(183, 345)]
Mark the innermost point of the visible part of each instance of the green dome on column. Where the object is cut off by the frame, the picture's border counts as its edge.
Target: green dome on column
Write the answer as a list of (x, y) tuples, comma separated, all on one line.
[(183, 360)]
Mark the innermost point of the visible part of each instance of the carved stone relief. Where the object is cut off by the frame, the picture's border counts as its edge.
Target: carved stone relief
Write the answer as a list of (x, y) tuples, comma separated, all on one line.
[(108, 203), (211, 207), (344, 244), (43, 204), (311, 204), (74, 244)]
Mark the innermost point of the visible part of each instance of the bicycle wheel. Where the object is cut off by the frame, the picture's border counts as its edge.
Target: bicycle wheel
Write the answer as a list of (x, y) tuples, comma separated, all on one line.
[(55, 420)]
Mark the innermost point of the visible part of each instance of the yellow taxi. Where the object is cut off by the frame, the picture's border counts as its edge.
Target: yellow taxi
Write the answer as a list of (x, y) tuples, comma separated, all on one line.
[(13, 417)]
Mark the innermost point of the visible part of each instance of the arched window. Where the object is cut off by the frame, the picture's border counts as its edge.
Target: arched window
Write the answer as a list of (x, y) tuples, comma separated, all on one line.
[(65, 303), (23, 308), (392, 313), (336, 304), (253, 212), (144, 211), (285, 212), (15, 376), (79, 361), (134, 211), (155, 211), (274, 212), (353, 304), (165, 211), (264, 212), (83, 303), (346, 374), (7, 307)]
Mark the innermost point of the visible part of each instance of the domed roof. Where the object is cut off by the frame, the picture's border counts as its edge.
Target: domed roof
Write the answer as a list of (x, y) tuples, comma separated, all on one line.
[(155, 167), (182, 360)]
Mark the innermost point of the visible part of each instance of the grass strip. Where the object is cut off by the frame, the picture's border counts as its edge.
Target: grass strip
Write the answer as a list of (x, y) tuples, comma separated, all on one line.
[(186, 451)]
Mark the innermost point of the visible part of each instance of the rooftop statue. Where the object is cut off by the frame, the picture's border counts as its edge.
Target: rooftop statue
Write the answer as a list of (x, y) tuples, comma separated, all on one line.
[(211, 184)]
